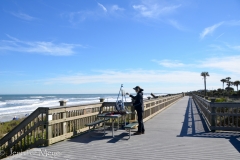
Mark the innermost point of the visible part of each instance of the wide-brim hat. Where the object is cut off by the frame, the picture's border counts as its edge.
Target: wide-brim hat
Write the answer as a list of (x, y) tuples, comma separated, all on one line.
[(138, 87)]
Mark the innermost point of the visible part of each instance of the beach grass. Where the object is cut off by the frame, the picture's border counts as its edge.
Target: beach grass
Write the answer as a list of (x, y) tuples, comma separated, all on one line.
[(6, 127)]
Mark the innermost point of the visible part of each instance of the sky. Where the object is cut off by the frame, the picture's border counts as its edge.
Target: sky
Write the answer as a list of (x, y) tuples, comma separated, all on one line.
[(94, 46)]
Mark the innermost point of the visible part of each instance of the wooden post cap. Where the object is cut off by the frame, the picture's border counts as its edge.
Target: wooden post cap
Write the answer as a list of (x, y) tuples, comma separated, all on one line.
[(63, 103), (101, 99)]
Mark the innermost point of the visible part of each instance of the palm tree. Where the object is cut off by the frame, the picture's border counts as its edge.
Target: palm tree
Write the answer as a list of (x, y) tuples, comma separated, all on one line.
[(236, 83), (228, 81), (223, 80), (205, 74), (228, 78)]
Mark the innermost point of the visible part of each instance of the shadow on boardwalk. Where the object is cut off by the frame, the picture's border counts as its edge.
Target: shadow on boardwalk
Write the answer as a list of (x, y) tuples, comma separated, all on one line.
[(194, 125), (87, 137)]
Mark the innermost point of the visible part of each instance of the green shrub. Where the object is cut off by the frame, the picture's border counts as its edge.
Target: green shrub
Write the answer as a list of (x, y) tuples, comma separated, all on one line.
[(221, 100)]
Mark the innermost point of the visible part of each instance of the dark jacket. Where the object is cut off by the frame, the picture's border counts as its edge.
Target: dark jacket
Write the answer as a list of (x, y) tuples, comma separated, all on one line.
[(138, 101)]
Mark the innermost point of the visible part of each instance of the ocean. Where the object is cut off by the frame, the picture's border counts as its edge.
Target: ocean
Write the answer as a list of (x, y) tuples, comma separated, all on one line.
[(23, 105)]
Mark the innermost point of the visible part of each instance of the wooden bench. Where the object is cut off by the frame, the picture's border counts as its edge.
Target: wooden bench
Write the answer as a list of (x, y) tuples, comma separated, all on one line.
[(130, 127), (96, 123)]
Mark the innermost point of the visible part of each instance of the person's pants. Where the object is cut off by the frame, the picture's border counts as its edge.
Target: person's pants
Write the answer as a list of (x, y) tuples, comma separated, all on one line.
[(140, 121)]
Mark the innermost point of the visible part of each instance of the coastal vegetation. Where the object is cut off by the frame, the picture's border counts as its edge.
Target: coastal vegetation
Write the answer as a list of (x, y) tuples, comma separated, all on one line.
[(227, 94), (6, 127), (24, 143)]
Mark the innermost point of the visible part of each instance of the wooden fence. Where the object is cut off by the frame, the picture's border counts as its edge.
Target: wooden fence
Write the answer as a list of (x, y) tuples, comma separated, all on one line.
[(219, 116)]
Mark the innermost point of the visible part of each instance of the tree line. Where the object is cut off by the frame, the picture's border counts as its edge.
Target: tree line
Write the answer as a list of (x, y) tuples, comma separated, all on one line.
[(228, 91)]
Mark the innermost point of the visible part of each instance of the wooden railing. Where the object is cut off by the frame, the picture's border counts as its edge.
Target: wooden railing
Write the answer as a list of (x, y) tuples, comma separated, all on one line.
[(46, 126), (219, 116), (65, 122), (31, 132)]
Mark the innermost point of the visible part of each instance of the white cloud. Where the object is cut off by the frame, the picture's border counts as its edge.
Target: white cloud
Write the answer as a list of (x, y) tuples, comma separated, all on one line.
[(169, 63), (41, 47), (234, 47), (176, 25), (102, 6), (23, 16), (210, 30), (154, 10), (227, 63), (80, 16), (219, 36), (116, 8), (225, 47)]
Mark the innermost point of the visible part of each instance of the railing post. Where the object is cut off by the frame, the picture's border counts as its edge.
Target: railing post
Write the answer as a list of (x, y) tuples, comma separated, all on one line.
[(49, 134), (64, 116), (101, 99), (213, 116), (63, 103), (49, 128), (150, 110), (183, 94)]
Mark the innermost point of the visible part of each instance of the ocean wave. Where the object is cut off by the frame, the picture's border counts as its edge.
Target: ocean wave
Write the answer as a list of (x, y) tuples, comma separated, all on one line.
[(14, 113), (80, 103), (50, 96), (39, 97), (2, 103), (24, 101), (25, 108), (92, 98), (17, 108)]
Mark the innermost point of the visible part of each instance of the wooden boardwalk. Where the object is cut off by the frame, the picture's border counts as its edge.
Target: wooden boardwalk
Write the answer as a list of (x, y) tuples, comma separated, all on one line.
[(176, 133)]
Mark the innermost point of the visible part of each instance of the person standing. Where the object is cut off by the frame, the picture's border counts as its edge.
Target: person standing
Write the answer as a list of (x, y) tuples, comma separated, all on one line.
[(139, 107)]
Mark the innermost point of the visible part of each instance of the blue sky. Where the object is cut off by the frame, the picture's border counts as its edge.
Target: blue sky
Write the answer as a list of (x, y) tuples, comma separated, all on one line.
[(94, 46)]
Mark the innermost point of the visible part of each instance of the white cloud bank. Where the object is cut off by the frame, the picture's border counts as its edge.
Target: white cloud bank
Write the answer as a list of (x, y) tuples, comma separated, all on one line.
[(169, 63), (40, 47), (227, 63), (128, 76), (152, 80), (167, 81)]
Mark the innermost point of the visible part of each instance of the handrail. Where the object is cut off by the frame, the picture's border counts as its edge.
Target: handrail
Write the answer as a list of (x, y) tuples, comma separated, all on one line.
[(204, 107), (219, 116), (23, 124), (20, 137)]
